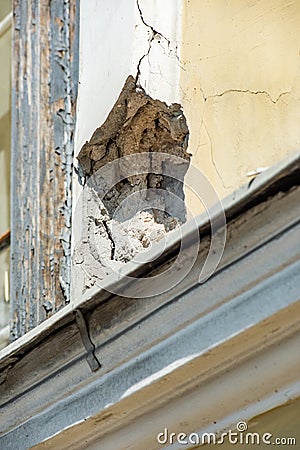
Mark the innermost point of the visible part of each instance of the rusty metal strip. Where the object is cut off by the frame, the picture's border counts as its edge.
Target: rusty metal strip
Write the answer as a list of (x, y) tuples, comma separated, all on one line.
[(91, 358)]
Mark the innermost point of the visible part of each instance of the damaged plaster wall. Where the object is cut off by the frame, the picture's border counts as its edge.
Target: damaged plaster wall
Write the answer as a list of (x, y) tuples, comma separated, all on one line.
[(240, 85), (233, 66), (121, 38), (121, 219), (156, 51)]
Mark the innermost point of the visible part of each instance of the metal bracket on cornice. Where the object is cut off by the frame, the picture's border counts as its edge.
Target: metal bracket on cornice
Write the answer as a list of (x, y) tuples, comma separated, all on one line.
[(91, 358)]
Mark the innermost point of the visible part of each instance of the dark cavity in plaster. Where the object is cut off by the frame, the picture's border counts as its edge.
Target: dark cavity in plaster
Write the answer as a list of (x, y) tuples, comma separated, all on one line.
[(136, 124)]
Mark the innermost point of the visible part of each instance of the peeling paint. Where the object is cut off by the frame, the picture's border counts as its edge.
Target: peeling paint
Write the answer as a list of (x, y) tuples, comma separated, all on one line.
[(45, 51)]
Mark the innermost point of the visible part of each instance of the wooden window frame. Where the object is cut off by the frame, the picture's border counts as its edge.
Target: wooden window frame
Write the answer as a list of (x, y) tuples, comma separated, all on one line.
[(44, 91)]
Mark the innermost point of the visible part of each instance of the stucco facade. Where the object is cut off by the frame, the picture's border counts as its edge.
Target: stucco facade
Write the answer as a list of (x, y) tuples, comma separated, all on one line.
[(240, 86)]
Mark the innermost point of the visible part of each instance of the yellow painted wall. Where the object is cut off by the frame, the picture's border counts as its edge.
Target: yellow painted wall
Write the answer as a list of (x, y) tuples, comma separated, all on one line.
[(240, 84)]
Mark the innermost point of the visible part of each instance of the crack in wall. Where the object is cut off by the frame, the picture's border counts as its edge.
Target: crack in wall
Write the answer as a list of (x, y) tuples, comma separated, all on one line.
[(154, 32), (246, 91), (155, 35), (110, 237), (228, 91), (138, 71), (213, 158)]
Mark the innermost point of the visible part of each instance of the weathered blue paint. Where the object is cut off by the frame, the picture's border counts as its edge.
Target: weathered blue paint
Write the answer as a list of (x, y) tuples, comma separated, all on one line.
[(44, 91)]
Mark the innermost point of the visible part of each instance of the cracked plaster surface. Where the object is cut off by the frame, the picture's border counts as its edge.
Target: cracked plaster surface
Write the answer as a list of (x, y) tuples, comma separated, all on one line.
[(240, 87), (156, 59), (136, 124), (149, 51), (233, 66)]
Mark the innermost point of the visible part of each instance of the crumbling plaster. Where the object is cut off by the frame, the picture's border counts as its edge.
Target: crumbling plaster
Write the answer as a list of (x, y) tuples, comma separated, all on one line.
[(121, 38), (240, 83), (132, 170)]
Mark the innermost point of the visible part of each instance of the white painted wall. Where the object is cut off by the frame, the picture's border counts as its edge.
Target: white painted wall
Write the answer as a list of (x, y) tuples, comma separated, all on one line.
[(106, 46), (160, 67)]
